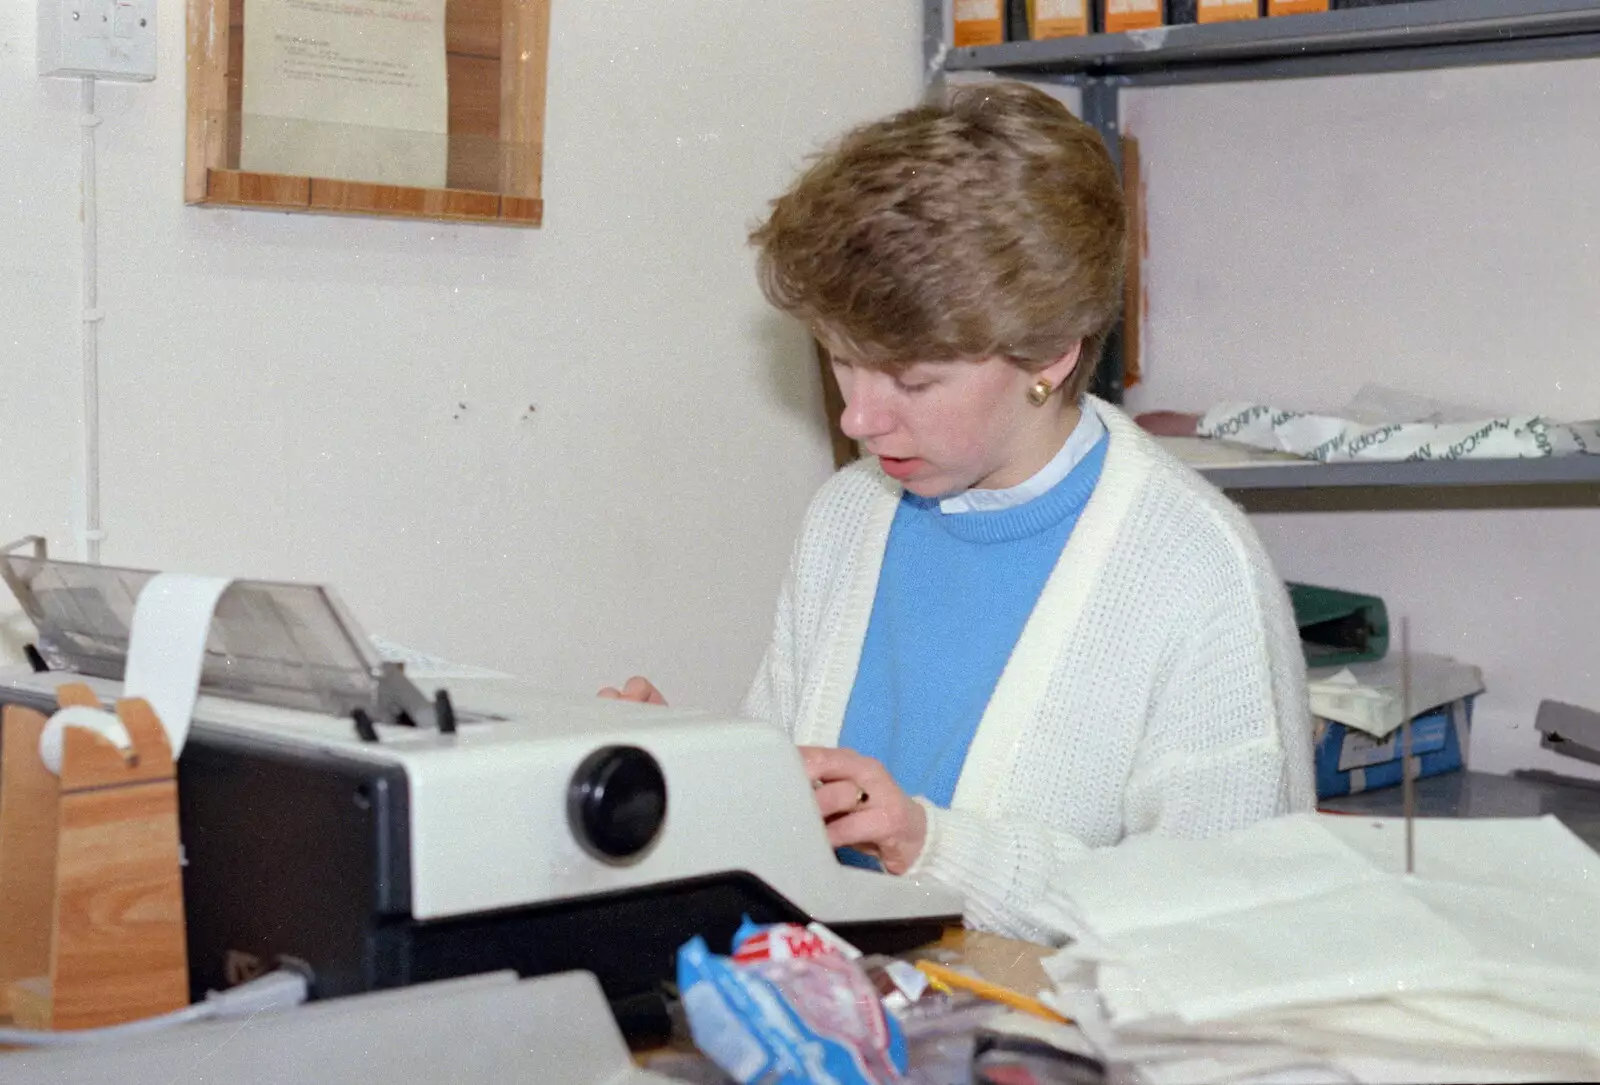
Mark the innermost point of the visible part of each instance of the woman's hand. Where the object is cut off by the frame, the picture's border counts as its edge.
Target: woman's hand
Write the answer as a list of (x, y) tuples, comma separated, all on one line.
[(864, 808), (637, 689)]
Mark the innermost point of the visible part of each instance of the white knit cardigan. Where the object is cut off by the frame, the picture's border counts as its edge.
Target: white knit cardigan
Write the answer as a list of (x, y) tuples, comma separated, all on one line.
[(1157, 687)]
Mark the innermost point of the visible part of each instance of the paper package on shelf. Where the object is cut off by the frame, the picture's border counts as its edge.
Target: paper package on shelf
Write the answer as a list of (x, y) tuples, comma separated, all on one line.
[(1386, 425), (1298, 949), (1368, 697)]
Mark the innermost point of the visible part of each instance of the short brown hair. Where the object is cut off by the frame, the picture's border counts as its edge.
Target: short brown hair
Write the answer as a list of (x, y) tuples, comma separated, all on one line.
[(990, 223)]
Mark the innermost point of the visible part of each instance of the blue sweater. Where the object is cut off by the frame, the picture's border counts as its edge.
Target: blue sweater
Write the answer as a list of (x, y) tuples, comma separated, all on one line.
[(953, 595)]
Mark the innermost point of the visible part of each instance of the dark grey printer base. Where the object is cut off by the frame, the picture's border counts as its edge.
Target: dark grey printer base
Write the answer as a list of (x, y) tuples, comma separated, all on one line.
[(305, 855)]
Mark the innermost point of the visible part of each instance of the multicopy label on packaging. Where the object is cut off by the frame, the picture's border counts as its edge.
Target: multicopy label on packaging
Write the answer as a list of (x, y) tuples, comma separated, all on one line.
[(1332, 439)]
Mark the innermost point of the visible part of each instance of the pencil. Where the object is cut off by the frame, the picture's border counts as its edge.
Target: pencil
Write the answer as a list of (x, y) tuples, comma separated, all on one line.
[(994, 992)]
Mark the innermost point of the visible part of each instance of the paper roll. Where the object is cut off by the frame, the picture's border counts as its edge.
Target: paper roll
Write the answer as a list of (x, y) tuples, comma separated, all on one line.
[(52, 741), (167, 647), (166, 650)]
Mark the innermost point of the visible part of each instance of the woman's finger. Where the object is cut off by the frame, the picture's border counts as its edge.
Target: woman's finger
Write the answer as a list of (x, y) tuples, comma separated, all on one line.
[(840, 797), (642, 691), (869, 825), (830, 763)]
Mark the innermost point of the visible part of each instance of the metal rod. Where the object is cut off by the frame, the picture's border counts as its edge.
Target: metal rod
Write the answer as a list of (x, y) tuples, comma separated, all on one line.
[(1407, 788)]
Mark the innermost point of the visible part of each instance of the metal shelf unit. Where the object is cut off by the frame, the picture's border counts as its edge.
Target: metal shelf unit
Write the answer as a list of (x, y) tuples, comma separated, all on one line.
[(1553, 471), (1392, 37)]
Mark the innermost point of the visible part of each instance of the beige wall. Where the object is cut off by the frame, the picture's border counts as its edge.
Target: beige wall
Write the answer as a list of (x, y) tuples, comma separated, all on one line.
[(283, 396), (1434, 231)]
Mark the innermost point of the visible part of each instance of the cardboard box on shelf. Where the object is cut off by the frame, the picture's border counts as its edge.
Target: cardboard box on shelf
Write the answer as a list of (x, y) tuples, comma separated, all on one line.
[(1227, 11), (1121, 15), (1057, 18), (1349, 761), (1358, 711), (979, 22)]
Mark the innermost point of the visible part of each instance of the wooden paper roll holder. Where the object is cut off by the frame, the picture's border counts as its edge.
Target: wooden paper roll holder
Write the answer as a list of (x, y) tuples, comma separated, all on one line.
[(91, 887)]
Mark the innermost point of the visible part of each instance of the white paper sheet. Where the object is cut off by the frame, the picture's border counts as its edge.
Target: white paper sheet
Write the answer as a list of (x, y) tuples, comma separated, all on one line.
[(166, 651), (1357, 942), (167, 647), (1482, 966), (1529, 853), (1131, 886), (353, 90)]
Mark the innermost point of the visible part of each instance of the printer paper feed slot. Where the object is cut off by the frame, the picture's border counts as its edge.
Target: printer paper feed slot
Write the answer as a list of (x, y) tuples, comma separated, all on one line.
[(286, 645)]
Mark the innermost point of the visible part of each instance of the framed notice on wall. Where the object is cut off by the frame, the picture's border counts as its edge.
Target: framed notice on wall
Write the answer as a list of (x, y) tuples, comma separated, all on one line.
[(402, 108), (348, 89)]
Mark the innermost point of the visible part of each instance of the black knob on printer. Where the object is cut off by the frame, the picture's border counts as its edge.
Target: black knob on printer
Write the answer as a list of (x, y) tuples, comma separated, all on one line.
[(617, 803)]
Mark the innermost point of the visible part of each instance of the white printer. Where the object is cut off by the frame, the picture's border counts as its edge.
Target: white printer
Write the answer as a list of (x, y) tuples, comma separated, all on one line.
[(333, 814)]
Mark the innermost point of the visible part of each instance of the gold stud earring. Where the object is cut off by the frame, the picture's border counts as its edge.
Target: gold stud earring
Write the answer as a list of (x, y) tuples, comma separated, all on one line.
[(1039, 392)]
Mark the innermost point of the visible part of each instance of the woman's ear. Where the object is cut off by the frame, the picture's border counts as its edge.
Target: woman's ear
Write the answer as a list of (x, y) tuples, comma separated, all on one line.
[(1060, 370)]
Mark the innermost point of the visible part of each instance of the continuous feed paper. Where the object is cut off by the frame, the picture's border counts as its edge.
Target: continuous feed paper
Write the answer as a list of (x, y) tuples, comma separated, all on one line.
[(166, 650)]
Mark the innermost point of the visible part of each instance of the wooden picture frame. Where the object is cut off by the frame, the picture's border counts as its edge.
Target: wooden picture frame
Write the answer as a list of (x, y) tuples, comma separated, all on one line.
[(496, 58)]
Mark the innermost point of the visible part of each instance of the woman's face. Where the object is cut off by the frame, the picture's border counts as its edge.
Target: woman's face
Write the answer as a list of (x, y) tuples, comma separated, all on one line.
[(942, 427)]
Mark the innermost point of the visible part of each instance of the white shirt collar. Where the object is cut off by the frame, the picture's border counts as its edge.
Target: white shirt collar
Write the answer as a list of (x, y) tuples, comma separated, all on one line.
[(1083, 437)]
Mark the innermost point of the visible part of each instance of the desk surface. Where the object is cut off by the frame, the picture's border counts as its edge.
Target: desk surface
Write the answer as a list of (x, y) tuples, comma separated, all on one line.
[(1482, 795)]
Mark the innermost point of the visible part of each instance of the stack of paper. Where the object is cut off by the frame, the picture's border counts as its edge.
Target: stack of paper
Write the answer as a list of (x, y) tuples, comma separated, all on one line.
[(1372, 697), (1299, 950)]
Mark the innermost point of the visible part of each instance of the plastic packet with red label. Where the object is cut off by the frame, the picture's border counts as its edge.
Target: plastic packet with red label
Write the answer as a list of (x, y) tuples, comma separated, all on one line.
[(794, 1010), (785, 941)]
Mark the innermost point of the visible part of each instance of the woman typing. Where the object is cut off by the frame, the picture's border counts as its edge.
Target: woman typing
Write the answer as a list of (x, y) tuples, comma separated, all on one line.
[(1016, 629)]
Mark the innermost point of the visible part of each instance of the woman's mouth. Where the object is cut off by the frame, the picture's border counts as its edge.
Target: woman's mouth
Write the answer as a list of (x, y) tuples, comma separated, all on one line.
[(900, 468)]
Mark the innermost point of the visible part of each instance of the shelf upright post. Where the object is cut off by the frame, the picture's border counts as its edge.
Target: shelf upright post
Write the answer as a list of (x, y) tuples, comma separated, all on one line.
[(937, 31), (1100, 93)]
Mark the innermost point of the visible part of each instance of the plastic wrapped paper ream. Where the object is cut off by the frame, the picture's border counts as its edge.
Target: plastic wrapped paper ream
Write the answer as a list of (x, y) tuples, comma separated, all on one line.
[(1368, 696), (1333, 439)]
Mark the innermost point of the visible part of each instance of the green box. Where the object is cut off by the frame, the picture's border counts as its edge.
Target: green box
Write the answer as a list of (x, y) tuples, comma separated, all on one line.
[(1339, 627)]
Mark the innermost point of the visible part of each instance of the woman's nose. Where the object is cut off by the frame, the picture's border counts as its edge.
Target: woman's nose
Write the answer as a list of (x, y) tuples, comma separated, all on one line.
[(865, 416)]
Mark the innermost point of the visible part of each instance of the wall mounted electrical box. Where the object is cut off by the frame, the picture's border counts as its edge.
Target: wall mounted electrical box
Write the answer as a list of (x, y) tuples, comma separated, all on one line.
[(108, 39)]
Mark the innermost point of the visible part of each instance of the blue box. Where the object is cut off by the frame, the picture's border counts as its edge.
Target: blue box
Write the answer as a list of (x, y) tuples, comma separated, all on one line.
[(1349, 761)]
